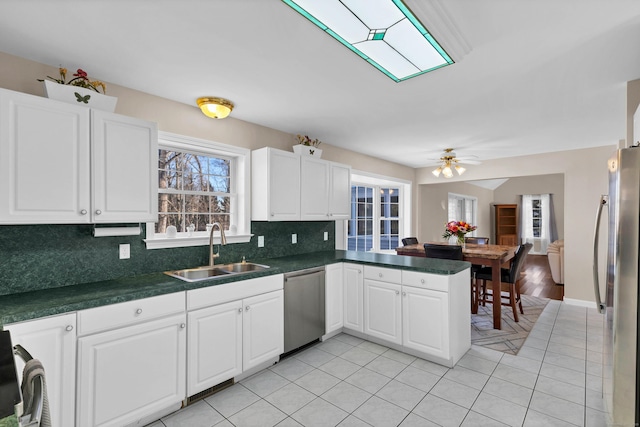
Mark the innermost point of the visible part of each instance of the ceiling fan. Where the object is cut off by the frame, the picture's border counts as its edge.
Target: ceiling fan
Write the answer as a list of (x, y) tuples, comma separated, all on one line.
[(450, 161)]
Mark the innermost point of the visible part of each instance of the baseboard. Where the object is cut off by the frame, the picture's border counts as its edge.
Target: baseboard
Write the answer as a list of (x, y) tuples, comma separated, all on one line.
[(579, 302)]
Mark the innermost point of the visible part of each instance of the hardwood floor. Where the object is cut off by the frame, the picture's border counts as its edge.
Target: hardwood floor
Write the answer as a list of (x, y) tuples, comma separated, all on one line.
[(536, 279)]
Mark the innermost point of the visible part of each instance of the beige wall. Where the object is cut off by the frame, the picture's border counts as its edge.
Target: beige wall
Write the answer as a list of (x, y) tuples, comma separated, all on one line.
[(433, 208), (433, 202), (510, 192)]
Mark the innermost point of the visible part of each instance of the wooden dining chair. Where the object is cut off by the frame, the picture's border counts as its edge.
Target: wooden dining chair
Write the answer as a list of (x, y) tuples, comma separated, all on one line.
[(443, 251), (409, 241), (474, 270), (510, 282)]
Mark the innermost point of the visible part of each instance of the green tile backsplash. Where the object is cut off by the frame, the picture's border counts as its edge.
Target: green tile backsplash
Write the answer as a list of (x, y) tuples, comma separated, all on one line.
[(36, 257)]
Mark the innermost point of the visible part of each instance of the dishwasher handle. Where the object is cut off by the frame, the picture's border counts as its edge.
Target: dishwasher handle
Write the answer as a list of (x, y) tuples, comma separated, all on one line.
[(305, 272)]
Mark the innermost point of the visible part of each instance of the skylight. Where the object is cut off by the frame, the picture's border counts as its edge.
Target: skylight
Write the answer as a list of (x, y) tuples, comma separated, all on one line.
[(382, 32)]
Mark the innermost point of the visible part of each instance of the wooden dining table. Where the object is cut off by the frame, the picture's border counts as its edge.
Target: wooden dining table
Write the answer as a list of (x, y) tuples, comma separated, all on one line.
[(490, 255)]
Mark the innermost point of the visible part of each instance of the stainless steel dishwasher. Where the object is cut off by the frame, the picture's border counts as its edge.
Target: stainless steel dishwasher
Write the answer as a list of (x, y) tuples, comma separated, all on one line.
[(303, 307)]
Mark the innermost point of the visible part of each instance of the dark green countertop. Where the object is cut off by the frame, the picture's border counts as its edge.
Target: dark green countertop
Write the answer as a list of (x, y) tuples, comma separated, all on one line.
[(48, 302)]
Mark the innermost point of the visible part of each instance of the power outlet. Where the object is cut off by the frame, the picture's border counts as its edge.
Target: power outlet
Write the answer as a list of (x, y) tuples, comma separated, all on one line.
[(125, 251), (294, 239), (326, 235), (261, 241)]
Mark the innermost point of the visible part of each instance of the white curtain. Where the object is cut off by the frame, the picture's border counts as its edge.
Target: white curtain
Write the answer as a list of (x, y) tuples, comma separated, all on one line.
[(536, 222)]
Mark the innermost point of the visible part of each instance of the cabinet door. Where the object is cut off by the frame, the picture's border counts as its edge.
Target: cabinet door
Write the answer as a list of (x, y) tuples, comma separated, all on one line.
[(284, 186), (52, 341), (383, 310), (129, 373), (215, 346), (353, 289), (425, 316), (334, 297), (124, 168), (263, 328), (314, 189), (340, 192), (44, 161)]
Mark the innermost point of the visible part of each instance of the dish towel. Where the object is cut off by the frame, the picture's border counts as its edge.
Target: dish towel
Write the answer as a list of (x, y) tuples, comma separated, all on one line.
[(32, 369)]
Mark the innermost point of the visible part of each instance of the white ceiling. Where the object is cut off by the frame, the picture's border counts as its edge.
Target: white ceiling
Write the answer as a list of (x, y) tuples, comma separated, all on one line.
[(530, 76)]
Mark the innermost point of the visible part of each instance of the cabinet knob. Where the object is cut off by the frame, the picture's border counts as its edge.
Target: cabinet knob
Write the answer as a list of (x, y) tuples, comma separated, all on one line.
[(240, 310), (139, 311), (98, 212), (404, 294), (69, 328), (421, 280), (379, 274), (359, 272), (330, 214), (397, 292), (247, 308), (272, 214), (183, 325), (83, 212)]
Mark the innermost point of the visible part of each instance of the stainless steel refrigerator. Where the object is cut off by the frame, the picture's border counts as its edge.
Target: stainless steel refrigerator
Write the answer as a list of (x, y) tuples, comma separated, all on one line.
[(620, 302)]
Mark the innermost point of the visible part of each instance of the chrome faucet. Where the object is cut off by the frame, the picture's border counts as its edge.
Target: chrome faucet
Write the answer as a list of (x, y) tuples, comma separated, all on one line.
[(223, 241)]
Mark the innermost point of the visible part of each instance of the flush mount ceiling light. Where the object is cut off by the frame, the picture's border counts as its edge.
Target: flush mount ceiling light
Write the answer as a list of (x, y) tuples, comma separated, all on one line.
[(216, 108), (382, 32)]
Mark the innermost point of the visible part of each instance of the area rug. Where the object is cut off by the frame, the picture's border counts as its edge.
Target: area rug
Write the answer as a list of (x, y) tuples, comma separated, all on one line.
[(510, 338)]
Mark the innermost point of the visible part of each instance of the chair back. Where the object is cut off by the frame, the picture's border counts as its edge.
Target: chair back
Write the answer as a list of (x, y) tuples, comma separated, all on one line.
[(410, 241), (477, 240), (518, 261), (443, 251)]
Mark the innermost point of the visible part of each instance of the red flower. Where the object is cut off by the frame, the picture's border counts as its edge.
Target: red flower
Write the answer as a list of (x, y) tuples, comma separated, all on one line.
[(80, 73)]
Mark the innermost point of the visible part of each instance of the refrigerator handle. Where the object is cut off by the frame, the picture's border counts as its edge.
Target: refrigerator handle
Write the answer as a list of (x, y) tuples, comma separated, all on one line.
[(596, 238)]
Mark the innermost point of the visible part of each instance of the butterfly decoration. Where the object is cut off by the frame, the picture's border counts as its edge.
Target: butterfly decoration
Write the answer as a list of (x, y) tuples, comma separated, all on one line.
[(81, 98)]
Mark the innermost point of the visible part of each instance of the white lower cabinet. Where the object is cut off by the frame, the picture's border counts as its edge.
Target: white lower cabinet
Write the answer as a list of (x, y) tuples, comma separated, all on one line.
[(334, 297), (233, 328), (353, 297), (212, 361), (127, 373), (383, 310), (425, 321), (262, 329), (421, 313), (52, 340)]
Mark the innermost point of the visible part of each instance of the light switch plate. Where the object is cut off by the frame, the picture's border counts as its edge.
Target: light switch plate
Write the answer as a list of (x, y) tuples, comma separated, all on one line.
[(261, 241), (125, 251), (294, 239), (326, 235)]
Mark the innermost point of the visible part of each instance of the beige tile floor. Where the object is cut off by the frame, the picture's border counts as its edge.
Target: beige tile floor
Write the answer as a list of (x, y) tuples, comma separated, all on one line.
[(555, 380)]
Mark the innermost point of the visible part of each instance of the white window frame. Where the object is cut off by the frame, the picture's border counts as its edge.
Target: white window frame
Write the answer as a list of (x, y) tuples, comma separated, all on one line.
[(404, 215), (466, 199), (240, 230)]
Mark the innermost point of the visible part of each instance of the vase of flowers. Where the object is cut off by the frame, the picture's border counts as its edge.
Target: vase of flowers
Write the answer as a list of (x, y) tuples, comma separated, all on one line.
[(307, 146), (458, 229), (79, 90)]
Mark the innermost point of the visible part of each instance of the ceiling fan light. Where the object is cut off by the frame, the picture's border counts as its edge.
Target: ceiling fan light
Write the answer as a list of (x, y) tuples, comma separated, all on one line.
[(460, 169), (436, 172), (216, 108), (447, 172)]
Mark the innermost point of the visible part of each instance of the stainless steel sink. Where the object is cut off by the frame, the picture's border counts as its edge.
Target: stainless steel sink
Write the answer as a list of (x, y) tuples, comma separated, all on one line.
[(211, 272), (243, 267)]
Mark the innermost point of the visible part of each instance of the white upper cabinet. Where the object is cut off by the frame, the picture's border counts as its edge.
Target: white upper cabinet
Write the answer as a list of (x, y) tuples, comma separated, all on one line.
[(66, 164), (340, 191), (275, 185), (291, 187), (125, 168)]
